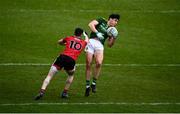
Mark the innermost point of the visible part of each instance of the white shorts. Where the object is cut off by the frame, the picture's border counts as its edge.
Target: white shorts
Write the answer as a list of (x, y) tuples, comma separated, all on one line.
[(93, 46)]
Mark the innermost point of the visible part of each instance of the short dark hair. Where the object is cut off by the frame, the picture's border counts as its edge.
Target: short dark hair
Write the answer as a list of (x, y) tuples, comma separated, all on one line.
[(114, 16), (78, 31)]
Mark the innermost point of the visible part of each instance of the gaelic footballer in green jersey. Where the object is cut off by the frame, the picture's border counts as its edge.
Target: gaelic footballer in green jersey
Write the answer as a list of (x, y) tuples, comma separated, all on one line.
[(101, 28), (95, 47)]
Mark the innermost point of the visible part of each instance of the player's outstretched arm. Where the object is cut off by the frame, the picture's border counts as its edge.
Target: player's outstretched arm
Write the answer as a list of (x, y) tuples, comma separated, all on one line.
[(61, 42), (86, 37)]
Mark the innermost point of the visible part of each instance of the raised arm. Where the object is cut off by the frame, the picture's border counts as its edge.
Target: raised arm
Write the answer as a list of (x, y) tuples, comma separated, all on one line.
[(86, 36), (92, 25)]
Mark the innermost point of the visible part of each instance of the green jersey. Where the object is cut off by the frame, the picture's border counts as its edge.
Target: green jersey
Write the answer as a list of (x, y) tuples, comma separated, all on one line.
[(102, 28)]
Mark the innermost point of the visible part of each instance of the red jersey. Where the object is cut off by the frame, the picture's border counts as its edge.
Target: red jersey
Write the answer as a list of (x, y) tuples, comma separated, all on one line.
[(74, 46)]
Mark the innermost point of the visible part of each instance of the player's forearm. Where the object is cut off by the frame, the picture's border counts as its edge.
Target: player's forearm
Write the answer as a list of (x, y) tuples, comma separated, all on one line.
[(92, 27), (86, 36), (111, 42), (60, 42)]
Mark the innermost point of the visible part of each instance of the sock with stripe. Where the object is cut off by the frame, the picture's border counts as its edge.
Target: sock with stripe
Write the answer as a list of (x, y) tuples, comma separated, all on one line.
[(94, 81), (87, 83)]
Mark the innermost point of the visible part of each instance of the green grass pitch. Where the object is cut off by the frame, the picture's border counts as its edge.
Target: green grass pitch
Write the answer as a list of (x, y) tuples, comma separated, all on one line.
[(149, 35)]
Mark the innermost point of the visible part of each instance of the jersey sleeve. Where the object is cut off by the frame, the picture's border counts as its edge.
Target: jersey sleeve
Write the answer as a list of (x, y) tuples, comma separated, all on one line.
[(100, 20)]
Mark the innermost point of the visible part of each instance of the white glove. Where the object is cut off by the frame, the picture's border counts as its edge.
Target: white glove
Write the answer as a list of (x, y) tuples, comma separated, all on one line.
[(99, 35)]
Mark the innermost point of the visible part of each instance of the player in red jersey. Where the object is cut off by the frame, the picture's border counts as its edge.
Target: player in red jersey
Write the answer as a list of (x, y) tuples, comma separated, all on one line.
[(73, 47)]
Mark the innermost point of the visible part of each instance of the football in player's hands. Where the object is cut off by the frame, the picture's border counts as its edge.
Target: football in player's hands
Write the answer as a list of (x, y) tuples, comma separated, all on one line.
[(112, 31)]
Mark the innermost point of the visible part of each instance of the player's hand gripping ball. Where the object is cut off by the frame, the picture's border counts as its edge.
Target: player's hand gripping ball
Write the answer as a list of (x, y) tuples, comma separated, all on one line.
[(112, 31)]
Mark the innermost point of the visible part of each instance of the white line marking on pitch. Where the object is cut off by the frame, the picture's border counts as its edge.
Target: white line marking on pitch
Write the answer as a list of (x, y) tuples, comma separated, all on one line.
[(125, 65), (87, 103), (97, 11)]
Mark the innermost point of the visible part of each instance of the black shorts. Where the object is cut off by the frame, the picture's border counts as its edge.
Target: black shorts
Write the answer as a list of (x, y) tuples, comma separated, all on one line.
[(64, 61)]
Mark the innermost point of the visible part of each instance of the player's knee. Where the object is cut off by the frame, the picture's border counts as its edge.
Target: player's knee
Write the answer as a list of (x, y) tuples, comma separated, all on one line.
[(98, 64), (88, 65), (54, 69)]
